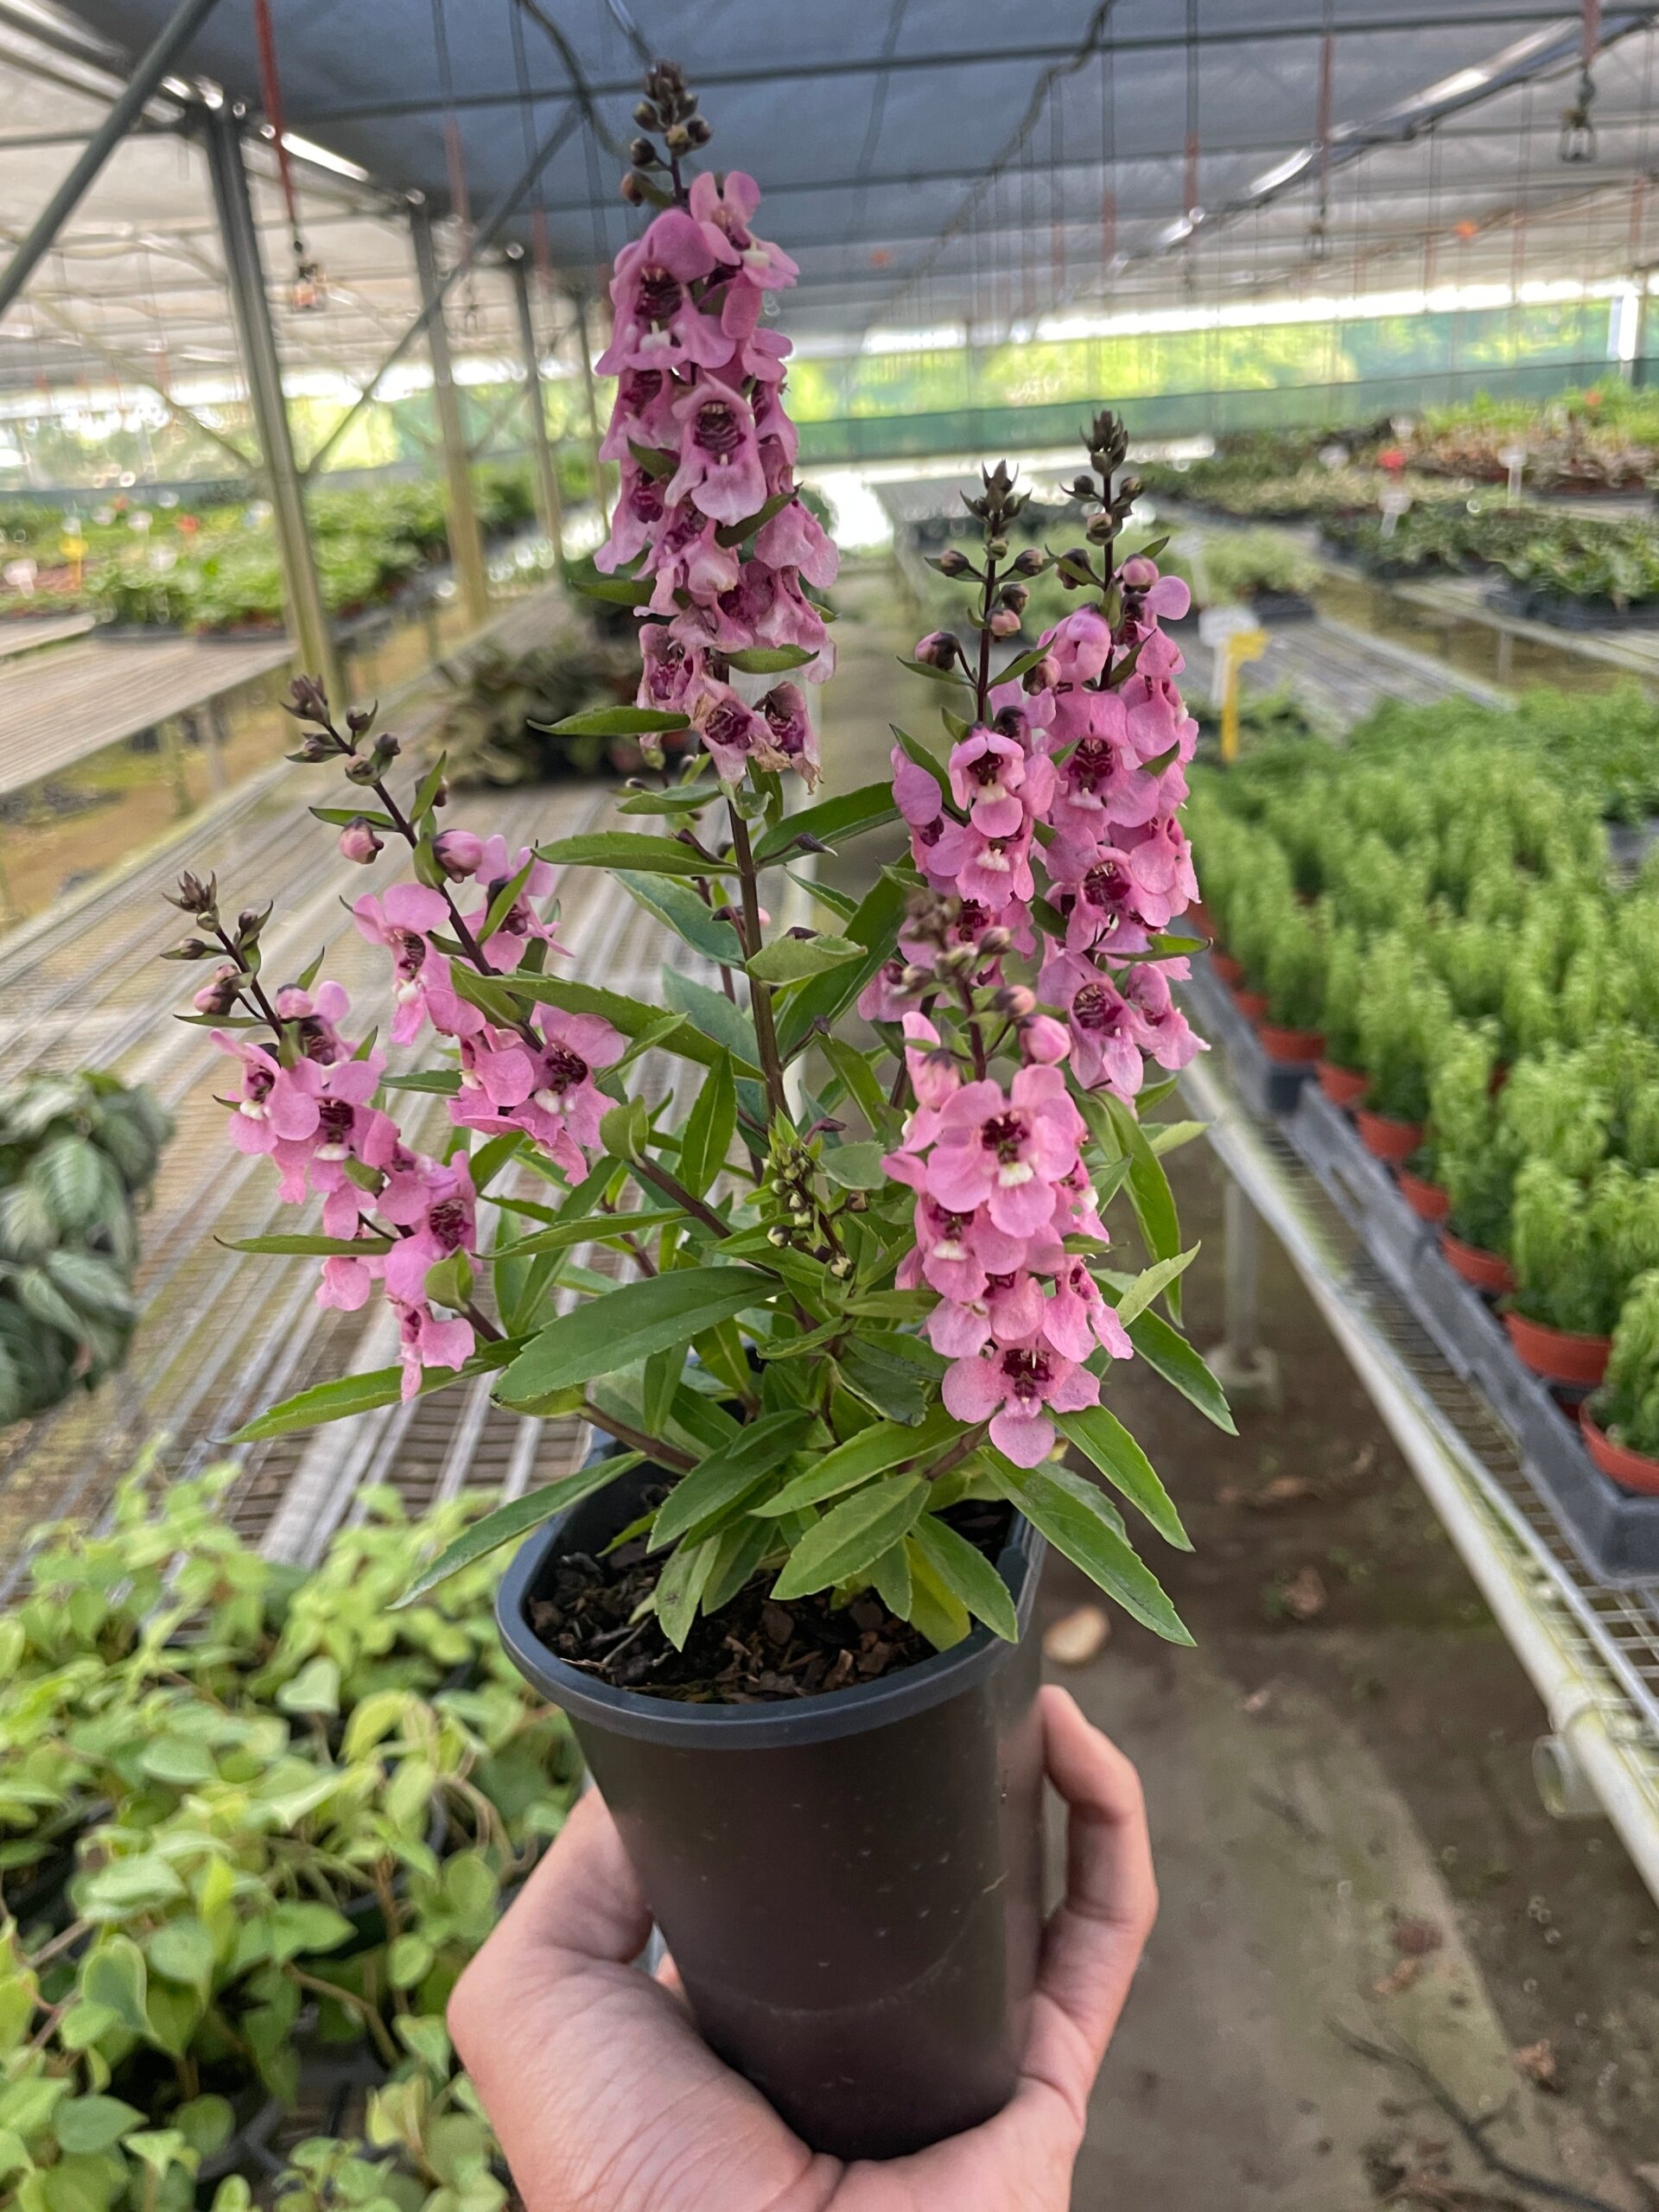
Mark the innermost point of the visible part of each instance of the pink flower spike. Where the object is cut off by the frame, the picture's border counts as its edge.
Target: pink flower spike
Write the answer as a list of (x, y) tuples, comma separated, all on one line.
[(795, 538), (656, 323), (988, 774), (723, 213)]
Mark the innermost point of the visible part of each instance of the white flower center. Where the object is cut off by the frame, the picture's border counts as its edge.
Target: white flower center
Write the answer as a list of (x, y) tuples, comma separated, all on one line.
[(1016, 1172)]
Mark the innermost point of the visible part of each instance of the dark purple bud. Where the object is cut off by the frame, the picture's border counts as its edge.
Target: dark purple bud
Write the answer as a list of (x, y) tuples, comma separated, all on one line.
[(953, 562), (194, 949), (1004, 622), (1015, 597), (219, 997), (307, 698), (938, 649), (364, 770), (193, 895), (360, 718), (631, 189), (1030, 562)]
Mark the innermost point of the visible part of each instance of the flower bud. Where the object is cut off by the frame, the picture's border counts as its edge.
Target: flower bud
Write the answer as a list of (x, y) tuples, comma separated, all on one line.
[(360, 718), (1083, 487), (313, 747), (193, 948), (960, 960), (219, 997), (1102, 529), (1044, 1040), (916, 979), (1016, 596), (1004, 622), (440, 796), (1030, 561), (306, 697), (645, 115), (995, 942), (250, 921), (363, 771), (358, 841), (1139, 574), (630, 189), (677, 138), (1044, 675), (1016, 1000), (938, 649), (458, 853), (643, 155), (953, 562), (700, 130), (194, 896), (997, 548)]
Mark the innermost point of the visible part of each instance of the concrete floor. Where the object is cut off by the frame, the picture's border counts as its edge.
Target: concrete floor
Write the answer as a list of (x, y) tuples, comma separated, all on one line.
[(1347, 1841)]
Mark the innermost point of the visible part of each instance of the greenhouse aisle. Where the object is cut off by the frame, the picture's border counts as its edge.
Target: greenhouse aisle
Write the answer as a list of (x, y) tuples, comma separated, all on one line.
[(1344, 1851)]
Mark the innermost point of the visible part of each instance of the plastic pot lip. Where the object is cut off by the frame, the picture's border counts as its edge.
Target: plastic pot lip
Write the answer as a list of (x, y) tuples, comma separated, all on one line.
[(1466, 1257), (1343, 1086), (1631, 1471), (1559, 1355), (1386, 1136), (760, 1727), (1427, 1199), (1290, 1047)]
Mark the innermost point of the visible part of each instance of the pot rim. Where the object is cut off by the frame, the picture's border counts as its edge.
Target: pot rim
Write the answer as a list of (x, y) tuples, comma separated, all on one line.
[(1604, 1449), (782, 1726)]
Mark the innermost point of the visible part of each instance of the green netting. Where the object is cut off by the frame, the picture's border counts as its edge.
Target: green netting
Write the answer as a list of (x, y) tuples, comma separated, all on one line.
[(1188, 414)]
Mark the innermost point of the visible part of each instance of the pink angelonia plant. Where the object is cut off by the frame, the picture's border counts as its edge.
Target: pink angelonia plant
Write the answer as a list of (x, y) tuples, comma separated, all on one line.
[(850, 1171)]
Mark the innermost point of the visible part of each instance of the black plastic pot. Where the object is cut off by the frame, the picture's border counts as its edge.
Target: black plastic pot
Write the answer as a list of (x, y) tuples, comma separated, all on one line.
[(850, 1884)]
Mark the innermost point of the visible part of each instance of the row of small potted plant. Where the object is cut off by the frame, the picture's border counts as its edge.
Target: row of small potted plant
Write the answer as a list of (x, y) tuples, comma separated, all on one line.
[(1499, 1055), (253, 1822)]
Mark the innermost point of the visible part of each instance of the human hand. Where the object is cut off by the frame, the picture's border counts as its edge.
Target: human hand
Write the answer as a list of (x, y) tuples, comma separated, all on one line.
[(606, 2098)]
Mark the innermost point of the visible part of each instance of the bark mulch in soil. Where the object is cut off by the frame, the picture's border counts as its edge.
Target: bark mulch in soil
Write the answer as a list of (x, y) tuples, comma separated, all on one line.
[(757, 1651)]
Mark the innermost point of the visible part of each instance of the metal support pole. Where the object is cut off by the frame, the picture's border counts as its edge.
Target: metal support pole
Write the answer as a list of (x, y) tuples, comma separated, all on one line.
[(308, 618), (466, 546), (176, 33), (591, 394), (1244, 1367), (549, 504)]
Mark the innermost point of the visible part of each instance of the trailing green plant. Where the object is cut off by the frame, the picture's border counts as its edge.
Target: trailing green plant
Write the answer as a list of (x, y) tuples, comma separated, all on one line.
[(1627, 1408), (250, 1816), (77, 1156)]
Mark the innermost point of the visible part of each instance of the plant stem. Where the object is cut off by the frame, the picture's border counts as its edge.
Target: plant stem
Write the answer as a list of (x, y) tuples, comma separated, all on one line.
[(665, 1455), (672, 1187), (369, 2014), (982, 681), (765, 1036)]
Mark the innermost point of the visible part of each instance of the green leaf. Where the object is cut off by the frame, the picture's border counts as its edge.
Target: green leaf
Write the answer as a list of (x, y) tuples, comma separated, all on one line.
[(724, 1025), (358, 1248), (891, 1581), (1146, 1284), (1150, 1191), (680, 1588), (614, 722), (182, 1951), (177, 1760), (733, 533), (316, 1689), (967, 1575), (935, 675), (913, 749), (855, 1167), (631, 1323), (85, 2126), (443, 1083), (875, 926), (852, 1536), (725, 1479), (885, 1377), (679, 799), (116, 1977), (588, 1228), (705, 1137), (630, 848), (678, 905), (832, 821), (1170, 1136), (792, 959), (653, 459), (1079, 1523), (1104, 1441), (1168, 1353), (770, 660), (870, 1451), (361, 1394), (935, 1608)]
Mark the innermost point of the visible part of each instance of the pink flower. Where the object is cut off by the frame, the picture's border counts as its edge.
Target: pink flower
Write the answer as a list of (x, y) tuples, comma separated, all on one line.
[(448, 1224), (1082, 643), (345, 1127), (423, 1341), (995, 871), (346, 1282), (732, 733), (643, 414), (458, 853), (794, 538), (1010, 1309), (1014, 1387), (1102, 896), (635, 523), (1105, 1029), (1006, 1154), (314, 1017), (688, 557), (1044, 1040), (497, 868), (358, 841), (934, 1074), (957, 1253), (784, 711), (1078, 1318), (915, 792), (657, 324), (988, 775), (720, 467), (723, 211), (1160, 866), (274, 1102), (1161, 1027), (672, 671), (403, 922), (883, 998)]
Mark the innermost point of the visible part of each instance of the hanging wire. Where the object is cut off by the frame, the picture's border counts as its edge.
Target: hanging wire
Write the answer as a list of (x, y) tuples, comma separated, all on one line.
[(1578, 141), (540, 245), (1318, 236), (1107, 163), (308, 289), (1522, 210), (456, 162), (1190, 209)]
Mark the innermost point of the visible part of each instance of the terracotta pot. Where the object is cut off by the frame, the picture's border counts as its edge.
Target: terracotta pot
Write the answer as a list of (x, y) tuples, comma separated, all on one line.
[(1559, 1355), (1230, 971), (1630, 1470), (1489, 1271), (1386, 1138), (1290, 1048), (1251, 1004), (1344, 1087), (1426, 1200)]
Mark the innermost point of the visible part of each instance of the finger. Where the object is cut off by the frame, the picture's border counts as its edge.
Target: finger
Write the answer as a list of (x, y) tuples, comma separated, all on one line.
[(584, 1897), (1094, 1938)]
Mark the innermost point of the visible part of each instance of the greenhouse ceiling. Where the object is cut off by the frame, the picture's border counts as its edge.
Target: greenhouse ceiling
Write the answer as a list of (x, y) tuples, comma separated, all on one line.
[(934, 165)]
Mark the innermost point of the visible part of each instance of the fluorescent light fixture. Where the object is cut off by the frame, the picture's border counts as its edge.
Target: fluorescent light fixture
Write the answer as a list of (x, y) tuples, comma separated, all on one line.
[(307, 149), (1281, 172)]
